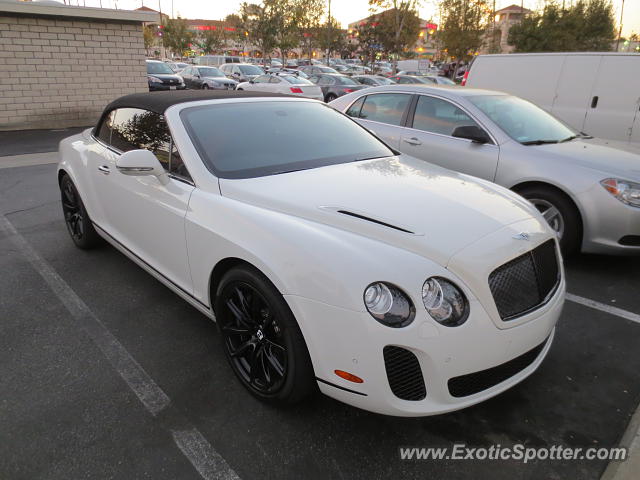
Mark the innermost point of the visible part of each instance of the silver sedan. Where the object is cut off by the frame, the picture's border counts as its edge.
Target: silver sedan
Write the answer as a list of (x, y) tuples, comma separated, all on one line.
[(586, 188)]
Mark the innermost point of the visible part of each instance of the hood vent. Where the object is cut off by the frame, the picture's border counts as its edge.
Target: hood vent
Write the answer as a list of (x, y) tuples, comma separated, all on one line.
[(373, 220)]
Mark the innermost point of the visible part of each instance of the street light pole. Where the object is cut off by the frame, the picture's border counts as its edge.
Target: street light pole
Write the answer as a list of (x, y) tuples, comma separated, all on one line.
[(620, 30), (329, 28)]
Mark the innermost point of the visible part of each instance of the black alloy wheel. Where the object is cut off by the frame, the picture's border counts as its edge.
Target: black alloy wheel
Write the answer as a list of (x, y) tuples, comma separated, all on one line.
[(76, 218), (261, 339)]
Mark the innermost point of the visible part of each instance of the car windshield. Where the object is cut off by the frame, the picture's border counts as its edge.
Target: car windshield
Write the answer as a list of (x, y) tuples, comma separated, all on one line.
[(286, 136), (297, 80), (383, 81), (346, 81), (210, 72), (158, 68), (327, 70), (522, 120), (250, 70)]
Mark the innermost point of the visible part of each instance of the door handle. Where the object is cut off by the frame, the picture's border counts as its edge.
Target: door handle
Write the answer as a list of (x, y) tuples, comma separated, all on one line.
[(412, 141), (104, 169)]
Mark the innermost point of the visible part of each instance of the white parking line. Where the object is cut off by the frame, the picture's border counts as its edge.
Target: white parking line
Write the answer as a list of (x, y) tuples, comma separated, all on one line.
[(207, 461), (191, 442), (603, 307)]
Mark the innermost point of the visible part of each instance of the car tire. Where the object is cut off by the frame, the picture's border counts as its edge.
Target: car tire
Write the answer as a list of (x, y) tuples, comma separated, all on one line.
[(561, 214), (205, 86), (260, 334), (79, 224), (240, 89), (330, 97)]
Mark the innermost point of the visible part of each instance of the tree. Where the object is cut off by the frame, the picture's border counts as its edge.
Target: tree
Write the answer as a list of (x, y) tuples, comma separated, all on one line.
[(176, 35), (283, 16), (212, 39), (399, 25), (256, 21), (149, 35), (588, 25), (309, 24), (464, 23), (369, 41)]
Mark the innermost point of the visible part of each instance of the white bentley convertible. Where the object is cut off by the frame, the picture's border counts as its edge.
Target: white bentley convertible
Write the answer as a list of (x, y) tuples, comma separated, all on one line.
[(330, 260)]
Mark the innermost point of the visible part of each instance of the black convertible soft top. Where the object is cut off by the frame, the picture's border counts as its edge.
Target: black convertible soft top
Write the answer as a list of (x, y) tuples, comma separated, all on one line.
[(158, 102)]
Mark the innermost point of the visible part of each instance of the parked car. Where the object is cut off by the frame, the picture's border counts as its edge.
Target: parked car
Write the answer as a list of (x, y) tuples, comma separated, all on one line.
[(317, 69), (161, 77), (437, 80), (409, 79), (414, 73), (286, 83), (287, 70), (207, 77), (315, 244), (592, 92), (588, 192), (373, 80), (335, 85), (241, 72), (177, 66), (293, 64)]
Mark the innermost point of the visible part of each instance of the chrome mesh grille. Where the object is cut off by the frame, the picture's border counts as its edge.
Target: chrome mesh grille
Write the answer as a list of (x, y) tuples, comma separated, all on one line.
[(525, 282), (404, 373)]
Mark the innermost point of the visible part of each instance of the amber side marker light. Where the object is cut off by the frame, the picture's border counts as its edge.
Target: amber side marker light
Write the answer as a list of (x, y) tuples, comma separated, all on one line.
[(348, 376)]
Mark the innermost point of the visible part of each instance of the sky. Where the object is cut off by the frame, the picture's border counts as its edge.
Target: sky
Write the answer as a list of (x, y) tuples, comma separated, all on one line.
[(346, 11)]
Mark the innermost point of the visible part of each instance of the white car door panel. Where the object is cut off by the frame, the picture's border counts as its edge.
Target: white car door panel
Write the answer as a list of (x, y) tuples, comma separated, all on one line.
[(430, 139), (145, 216)]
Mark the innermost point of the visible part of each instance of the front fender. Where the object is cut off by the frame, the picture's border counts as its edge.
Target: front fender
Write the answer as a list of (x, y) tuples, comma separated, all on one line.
[(301, 257)]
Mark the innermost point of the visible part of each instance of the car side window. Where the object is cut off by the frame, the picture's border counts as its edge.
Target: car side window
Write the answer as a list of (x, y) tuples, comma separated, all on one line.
[(326, 80), (354, 109), (262, 79), (134, 128), (435, 115), (385, 107), (275, 79), (104, 133), (313, 79)]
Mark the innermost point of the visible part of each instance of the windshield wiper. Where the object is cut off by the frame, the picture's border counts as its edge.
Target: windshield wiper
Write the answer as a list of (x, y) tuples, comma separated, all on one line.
[(568, 139), (539, 142)]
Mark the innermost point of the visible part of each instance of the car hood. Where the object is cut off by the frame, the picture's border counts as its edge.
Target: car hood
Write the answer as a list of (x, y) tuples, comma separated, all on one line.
[(165, 76), (609, 157), (410, 204)]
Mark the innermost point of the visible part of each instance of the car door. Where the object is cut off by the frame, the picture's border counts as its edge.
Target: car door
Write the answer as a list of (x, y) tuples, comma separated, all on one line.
[(196, 78), (144, 216), (428, 137), (277, 85), (384, 114)]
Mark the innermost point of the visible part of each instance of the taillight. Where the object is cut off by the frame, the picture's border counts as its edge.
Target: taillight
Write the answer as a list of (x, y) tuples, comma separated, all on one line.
[(464, 78), (296, 90), (349, 90)]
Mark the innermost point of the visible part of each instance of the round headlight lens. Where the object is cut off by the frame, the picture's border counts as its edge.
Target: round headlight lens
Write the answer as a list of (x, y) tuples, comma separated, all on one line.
[(445, 302), (389, 305)]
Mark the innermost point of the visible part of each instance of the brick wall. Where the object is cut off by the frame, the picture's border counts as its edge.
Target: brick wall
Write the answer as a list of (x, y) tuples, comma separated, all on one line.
[(62, 72)]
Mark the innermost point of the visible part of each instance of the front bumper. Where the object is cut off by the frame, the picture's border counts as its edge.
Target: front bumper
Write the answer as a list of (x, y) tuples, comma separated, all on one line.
[(155, 87), (340, 339), (606, 221)]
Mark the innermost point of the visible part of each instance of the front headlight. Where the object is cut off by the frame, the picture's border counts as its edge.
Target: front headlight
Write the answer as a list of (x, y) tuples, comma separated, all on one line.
[(155, 80), (445, 302), (625, 191), (389, 305)]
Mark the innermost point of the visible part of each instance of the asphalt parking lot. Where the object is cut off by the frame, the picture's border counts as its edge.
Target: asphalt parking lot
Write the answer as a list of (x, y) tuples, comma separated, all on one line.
[(66, 411)]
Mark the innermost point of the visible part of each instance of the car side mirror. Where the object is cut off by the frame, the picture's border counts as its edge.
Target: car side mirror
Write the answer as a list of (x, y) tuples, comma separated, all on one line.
[(138, 163), (252, 81), (471, 132)]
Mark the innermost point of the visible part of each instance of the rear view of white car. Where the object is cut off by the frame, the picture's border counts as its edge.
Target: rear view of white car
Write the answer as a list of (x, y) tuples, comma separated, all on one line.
[(288, 83)]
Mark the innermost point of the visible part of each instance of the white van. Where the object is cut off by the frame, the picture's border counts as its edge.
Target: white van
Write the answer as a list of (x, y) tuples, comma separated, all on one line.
[(596, 93), (215, 60)]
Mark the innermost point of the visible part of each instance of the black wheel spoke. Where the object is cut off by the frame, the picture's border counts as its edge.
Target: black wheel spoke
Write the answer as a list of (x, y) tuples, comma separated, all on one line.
[(273, 361), (243, 348), (237, 313), (273, 344), (253, 365), (235, 330)]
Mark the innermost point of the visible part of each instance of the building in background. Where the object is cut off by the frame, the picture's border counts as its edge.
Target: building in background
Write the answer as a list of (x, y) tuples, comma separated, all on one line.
[(61, 64), (498, 33)]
